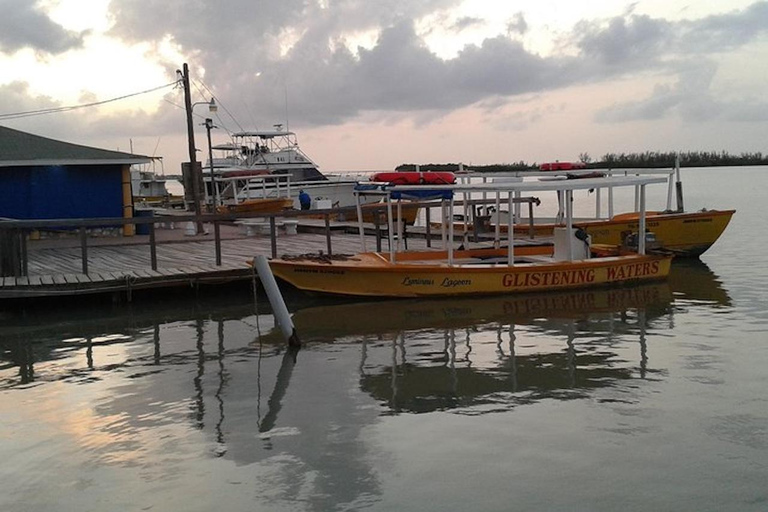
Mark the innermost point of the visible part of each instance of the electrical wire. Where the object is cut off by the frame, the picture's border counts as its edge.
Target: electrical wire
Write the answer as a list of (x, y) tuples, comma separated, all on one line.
[(30, 113), (218, 102)]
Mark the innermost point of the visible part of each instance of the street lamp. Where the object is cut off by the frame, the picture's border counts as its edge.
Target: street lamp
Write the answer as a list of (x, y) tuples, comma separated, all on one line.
[(212, 106), (214, 189)]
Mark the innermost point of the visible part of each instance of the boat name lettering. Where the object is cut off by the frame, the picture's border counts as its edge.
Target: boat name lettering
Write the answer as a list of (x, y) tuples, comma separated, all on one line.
[(696, 220), (307, 270), (452, 283), (632, 271), (417, 281), (635, 225), (543, 279)]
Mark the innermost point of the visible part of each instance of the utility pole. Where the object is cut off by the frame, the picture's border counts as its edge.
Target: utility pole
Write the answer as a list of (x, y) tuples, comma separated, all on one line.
[(194, 170)]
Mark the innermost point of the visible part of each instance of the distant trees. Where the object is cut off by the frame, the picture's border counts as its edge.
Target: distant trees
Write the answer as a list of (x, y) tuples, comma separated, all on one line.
[(519, 166), (687, 159), (646, 159)]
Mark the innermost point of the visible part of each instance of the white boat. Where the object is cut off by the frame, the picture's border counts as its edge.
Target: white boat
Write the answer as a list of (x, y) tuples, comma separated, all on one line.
[(240, 172), (149, 188)]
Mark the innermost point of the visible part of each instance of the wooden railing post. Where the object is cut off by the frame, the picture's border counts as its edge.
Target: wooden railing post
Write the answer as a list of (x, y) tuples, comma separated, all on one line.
[(217, 241), (24, 256), (152, 246), (84, 248), (273, 235), (328, 233)]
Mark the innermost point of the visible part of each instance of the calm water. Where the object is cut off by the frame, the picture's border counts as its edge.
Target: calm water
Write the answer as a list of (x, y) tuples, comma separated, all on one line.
[(644, 398)]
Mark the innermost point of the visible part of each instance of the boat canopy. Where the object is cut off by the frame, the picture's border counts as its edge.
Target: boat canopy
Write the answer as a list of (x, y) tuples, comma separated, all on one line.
[(228, 146), (271, 134), (420, 193)]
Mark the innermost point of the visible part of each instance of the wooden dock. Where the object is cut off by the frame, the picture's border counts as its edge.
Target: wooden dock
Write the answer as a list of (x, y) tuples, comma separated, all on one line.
[(74, 263), (122, 265)]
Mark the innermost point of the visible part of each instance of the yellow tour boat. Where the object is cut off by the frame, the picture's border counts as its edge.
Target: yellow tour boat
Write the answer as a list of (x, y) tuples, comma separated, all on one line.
[(569, 263), (687, 234), (473, 272)]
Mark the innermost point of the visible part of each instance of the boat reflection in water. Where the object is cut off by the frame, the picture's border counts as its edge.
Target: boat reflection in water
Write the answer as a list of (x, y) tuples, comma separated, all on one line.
[(692, 280), (138, 390), (424, 355), (427, 355)]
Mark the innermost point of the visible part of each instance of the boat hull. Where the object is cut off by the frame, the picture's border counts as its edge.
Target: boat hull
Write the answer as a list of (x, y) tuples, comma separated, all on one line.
[(375, 213), (685, 234), (423, 274), (270, 205)]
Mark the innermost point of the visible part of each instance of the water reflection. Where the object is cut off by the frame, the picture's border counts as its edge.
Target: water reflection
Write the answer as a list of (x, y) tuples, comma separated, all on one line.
[(467, 377), (201, 378), (692, 280)]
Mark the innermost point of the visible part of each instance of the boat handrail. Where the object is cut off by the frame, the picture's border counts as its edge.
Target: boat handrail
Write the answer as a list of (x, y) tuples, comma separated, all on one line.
[(529, 186), (564, 187)]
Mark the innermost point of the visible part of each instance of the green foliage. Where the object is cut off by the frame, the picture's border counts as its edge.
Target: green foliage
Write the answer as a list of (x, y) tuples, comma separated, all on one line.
[(519, 166), (647, 159), (687, 159)]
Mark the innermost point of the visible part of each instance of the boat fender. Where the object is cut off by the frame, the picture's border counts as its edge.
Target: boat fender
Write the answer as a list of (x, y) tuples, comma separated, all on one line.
[(582, 235)]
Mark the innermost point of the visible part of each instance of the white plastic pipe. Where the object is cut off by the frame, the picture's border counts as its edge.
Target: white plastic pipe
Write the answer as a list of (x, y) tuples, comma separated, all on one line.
[(276, 301)]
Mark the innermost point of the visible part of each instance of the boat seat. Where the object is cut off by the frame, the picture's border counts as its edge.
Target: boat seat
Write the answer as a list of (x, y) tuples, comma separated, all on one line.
[(290, 226), (257, 226)]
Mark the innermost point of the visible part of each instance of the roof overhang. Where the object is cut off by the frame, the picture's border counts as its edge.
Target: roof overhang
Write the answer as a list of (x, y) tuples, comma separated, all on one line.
[(51, 163)]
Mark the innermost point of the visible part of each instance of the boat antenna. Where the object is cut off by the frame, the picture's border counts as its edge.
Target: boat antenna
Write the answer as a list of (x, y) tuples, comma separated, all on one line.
[(287, 126)]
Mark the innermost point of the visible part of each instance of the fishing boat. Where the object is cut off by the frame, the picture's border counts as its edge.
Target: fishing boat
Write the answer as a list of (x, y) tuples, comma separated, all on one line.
[(263, 206), (686, 234), (149, 188), (237, 173), (571, 262)]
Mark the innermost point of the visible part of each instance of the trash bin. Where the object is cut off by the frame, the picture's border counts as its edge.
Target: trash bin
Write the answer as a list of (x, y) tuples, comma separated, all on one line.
[(143, 229)]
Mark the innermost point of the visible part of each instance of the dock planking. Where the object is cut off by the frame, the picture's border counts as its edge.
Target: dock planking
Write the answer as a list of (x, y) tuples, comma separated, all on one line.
[(56, 269)]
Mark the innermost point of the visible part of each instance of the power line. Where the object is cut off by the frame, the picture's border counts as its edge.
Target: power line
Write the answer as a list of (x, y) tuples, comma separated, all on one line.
[(30, 113), (234, 119)]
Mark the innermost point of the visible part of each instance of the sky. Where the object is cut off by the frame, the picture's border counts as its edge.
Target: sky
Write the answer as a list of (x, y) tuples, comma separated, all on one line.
[(371, 84)]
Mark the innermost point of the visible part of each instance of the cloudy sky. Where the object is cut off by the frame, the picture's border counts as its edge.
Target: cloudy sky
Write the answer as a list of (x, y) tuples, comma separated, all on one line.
[(370, 84)]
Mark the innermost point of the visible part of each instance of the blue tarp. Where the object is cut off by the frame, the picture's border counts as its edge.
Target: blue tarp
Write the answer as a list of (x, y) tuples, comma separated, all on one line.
[(425, 194)]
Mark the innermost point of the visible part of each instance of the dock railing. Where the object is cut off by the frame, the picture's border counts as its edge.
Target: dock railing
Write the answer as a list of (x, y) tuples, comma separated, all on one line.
[(15, 233)]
